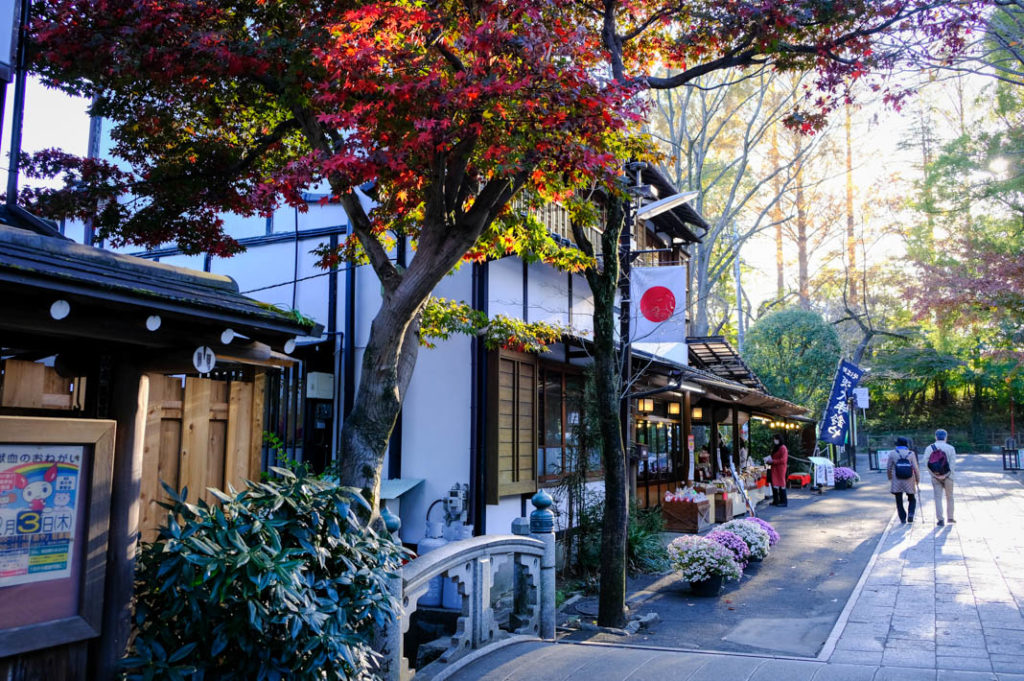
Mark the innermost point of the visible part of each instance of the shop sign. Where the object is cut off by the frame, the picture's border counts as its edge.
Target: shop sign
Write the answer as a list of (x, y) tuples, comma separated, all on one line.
[(836, 419)]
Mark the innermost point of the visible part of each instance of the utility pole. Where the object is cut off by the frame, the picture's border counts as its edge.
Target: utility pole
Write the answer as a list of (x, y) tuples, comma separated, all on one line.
[(18, 114), (626, 369)]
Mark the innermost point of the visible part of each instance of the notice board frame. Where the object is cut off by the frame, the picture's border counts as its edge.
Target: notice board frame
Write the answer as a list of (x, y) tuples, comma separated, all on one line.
[(98, 438)]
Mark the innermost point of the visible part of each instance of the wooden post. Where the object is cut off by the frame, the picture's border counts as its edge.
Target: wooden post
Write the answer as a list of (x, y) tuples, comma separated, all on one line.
[(130, 397)]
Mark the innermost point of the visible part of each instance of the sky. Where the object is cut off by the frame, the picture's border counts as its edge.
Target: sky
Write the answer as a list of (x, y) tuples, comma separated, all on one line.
[(52, 119)]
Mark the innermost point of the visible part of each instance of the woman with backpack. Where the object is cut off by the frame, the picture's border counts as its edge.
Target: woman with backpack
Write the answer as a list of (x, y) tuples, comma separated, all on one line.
[(904, 477)]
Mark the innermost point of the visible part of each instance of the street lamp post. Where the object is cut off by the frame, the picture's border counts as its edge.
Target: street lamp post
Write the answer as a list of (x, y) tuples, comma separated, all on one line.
[(626, 255)]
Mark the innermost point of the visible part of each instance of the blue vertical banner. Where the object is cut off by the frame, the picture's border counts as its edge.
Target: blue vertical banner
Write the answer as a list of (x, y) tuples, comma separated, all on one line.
[(836, 420)]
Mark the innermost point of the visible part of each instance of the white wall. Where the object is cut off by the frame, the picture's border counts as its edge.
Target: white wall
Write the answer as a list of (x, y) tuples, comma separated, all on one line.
[(548, 291), (259, 267), (437, 413), (582, 307), (505, 287)]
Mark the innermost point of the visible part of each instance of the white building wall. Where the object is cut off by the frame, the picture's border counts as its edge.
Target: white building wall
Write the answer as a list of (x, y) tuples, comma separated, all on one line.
[(436, 418), (260, 267), (548, 291), (582, 307), (505, 287)]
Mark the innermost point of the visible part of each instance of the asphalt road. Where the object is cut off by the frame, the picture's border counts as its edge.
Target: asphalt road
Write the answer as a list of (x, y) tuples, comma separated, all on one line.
[(787, 604)]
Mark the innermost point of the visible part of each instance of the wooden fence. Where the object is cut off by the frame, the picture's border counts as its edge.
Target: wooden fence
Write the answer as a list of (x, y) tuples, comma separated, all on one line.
[(30, 385), (200, 432)]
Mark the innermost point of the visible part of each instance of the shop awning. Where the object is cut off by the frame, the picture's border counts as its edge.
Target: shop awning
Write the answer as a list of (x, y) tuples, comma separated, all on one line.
[(716, 355)]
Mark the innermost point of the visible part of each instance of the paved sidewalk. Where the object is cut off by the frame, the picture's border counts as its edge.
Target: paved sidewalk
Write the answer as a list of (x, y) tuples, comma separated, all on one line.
[(935, 604)]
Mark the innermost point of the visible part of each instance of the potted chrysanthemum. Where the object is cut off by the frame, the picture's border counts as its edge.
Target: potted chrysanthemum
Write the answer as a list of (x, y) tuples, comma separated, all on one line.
[(733, 542), (845, 477), (704, 563), (753, 534), (773, 535)]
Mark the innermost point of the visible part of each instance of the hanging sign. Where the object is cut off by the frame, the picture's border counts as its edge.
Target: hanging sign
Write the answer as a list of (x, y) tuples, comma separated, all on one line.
[(204, 359), (835, 422), (39, 497), (657, 304), (690, 448)]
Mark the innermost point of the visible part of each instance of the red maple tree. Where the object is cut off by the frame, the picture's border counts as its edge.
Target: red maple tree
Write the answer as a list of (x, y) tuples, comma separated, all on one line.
[(450, 109)]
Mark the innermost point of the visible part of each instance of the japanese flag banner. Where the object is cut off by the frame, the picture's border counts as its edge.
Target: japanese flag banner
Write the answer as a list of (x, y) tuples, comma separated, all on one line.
[(657, 304)]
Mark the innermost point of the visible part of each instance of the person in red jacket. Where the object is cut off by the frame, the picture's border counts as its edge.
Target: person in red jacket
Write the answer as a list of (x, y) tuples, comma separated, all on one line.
[(778, 460)]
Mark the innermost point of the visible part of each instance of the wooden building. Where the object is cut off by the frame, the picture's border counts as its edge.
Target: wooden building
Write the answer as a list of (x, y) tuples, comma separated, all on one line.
[(117, 373)]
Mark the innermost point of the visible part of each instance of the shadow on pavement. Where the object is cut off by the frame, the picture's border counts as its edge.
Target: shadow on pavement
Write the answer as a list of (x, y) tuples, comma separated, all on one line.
[(786, 605)]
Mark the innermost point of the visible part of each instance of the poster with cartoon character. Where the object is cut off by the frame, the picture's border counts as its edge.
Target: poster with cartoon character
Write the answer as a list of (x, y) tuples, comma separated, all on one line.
[(39, 494)]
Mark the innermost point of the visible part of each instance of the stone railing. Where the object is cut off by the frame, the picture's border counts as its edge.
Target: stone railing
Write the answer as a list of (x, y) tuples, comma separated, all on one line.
[(526, 559)]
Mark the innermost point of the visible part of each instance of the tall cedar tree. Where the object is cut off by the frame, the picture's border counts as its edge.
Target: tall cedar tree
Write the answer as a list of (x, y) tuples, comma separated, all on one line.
[(450, 109)]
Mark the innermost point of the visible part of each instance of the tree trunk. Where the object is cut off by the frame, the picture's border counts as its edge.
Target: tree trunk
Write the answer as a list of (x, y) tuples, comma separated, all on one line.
[(803, 277), (603, 284), (702, 285), (851, 239), (388, 364), (777, 218)]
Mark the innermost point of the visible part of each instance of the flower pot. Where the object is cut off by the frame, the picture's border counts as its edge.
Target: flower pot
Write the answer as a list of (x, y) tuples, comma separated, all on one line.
[(843, 484), (706, 587)]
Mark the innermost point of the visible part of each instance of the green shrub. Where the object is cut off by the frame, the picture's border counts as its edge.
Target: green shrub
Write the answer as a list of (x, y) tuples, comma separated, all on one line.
[(645, 551), (281, 581)]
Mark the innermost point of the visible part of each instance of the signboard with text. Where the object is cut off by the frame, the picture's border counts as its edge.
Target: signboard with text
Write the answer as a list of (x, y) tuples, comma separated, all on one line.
[(39, 497), (836, 420)]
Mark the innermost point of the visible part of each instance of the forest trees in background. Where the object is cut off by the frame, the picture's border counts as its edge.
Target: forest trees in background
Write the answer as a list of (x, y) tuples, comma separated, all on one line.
[(795, 353), (716, 137)]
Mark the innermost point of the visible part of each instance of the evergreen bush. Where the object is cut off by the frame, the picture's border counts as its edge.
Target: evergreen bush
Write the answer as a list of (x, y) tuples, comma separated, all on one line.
[(283, 580)]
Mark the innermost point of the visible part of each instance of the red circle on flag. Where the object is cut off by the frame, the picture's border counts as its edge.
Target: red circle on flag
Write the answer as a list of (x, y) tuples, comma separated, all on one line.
[(657, 304)]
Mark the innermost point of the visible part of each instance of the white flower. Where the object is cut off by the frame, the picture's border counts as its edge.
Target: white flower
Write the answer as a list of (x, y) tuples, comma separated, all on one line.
[(697, 559), (753, 534)]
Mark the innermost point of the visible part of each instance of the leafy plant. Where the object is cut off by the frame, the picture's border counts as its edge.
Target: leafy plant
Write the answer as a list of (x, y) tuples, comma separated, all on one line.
[(282, 580), (699, 558), (280, 450), (644, 549)]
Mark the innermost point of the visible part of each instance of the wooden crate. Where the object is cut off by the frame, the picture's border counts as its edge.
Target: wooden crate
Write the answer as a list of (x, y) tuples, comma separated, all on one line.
[(686, 516)]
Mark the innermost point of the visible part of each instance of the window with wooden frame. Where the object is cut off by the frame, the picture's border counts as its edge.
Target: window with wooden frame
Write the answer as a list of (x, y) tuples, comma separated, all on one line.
[(511, 424), (560, 397)]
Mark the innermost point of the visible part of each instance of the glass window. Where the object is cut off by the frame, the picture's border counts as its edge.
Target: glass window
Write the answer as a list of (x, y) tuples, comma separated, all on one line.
[(562, 417)]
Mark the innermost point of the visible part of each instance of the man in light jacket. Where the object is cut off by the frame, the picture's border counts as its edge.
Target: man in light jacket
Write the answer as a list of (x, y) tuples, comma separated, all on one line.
[(942, 484)]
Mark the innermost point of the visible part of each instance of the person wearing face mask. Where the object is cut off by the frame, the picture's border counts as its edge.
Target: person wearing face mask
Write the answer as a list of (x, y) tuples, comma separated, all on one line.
[(778, 461)]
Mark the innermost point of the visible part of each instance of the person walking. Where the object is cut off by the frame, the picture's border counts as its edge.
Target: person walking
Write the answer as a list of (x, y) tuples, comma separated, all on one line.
[(941, 461), (904, 477), (779, 461)]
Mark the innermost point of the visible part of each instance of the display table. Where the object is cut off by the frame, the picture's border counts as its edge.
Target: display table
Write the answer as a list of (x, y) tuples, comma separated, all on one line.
[(798, 480), (686, 516)]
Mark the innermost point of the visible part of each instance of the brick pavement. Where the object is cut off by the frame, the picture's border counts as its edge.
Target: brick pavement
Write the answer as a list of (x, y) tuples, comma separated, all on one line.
[(935, 604)]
